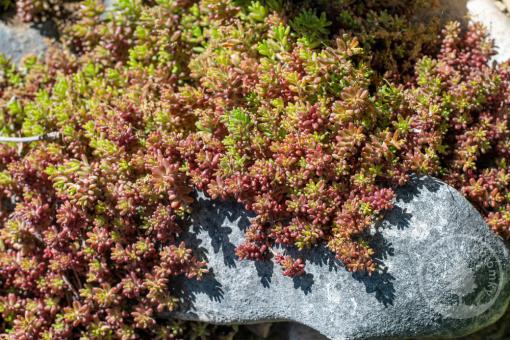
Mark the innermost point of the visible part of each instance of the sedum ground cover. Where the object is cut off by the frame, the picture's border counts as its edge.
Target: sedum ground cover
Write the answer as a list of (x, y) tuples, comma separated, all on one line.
[(309, 113)]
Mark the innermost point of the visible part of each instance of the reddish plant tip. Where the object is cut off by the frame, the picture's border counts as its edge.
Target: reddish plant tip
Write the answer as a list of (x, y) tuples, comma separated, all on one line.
[(291, 267)]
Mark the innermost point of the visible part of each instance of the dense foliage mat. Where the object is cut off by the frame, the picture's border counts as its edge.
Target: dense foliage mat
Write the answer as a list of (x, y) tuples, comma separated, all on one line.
[(308, 119), (35, 10)]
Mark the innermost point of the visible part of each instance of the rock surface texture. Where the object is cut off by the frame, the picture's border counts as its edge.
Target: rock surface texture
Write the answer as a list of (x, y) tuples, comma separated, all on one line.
[(496, 21), (20, 40), (442, 273)]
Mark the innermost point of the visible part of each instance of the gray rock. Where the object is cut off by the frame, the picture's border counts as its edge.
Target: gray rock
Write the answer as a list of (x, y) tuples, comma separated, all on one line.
[(21, 40), (497, 22), (442, 273), (109, 5), (484, 11)]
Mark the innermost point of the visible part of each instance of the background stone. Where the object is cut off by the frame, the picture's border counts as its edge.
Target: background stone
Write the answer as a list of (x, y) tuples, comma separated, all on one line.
[(19, 40), (484, 11), (497, 23), (109, 5)]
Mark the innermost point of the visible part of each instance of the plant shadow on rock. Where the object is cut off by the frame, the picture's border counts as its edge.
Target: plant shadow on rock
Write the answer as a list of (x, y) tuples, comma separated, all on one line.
[(381, 282), (209, 216), (413, 188), (217, 218), (187, 289), (47, 28), (265, 272)]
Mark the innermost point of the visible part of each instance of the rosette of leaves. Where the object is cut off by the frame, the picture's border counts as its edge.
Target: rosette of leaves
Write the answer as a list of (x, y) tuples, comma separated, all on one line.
[(394, 34)]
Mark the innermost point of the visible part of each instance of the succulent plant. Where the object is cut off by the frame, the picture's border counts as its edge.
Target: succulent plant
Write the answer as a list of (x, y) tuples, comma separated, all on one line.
[(307, 113)]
